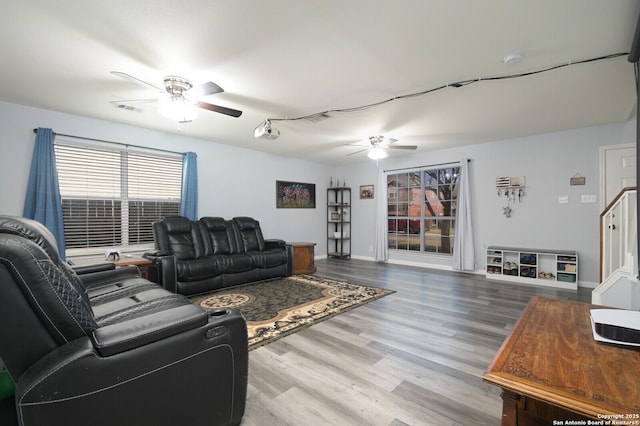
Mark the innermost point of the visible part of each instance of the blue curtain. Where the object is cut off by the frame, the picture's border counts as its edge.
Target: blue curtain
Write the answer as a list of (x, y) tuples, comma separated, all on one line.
[(43, 202), (189, 201)]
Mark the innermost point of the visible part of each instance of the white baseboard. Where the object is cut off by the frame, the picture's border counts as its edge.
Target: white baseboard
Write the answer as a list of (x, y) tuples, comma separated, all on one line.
[(420, 264), (585, 284)]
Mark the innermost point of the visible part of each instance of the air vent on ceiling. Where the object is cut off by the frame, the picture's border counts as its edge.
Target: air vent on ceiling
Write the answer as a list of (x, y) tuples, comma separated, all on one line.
[(318, 117), (127, 107)]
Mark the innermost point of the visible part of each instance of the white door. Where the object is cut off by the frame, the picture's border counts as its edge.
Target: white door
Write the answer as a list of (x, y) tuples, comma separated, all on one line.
[(618, 164), (619, 170)]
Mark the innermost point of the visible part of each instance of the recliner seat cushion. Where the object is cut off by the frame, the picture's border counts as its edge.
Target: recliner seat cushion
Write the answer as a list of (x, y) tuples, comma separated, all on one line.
[(241, 262), (205, 267), (270, 258), (143, 303)]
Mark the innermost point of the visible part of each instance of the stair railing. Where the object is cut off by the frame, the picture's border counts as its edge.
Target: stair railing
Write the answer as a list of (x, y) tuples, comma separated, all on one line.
[(617, 230)]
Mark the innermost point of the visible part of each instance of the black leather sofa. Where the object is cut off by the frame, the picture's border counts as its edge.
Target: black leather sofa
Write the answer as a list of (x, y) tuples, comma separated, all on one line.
[(195, 257), (108, 347)]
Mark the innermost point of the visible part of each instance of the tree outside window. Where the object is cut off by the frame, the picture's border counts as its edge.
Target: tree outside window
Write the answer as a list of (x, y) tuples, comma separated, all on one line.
[(421, 209)]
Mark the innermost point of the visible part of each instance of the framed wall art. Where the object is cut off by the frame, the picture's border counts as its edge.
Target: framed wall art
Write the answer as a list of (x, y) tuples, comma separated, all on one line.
[(295, 195), (366, 192)]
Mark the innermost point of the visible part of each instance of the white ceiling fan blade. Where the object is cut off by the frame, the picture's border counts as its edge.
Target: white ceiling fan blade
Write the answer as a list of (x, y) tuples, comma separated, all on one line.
[(135, 101), (358, 152), (206, 89), (408, 147), (136, 80)]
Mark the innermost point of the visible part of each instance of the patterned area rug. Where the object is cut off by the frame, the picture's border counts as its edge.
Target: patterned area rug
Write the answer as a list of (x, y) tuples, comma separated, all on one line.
[(276, 308)]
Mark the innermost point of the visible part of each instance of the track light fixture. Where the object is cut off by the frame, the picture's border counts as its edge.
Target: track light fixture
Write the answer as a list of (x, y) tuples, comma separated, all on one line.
[(266, 131)]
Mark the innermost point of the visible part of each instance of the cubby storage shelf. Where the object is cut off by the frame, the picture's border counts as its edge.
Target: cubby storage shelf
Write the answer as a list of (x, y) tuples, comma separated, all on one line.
[(550, 268)]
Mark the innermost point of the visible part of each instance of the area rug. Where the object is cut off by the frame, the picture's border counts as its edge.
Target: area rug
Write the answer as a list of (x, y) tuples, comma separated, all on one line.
[(276, 308)]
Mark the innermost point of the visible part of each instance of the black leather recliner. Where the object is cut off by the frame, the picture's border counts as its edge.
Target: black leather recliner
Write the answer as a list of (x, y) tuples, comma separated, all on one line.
[(212, 253), (108, 347)]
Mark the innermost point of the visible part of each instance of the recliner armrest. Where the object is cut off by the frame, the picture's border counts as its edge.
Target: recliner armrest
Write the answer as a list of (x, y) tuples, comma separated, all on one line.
[(81, 270), (163, 270), (289, 259), (274, 243), (91, 278), (125, 335), (155, 254)]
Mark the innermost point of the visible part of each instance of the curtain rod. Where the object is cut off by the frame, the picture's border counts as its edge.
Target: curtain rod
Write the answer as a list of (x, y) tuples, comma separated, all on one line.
[(111, 142), (430, 165)]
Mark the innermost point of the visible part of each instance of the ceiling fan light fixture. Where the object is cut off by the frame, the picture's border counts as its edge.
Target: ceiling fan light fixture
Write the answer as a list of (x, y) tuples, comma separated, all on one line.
[(179, 109), (377, 153)]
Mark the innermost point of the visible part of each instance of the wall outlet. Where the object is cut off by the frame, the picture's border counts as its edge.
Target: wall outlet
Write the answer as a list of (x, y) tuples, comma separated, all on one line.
[(588, 198)]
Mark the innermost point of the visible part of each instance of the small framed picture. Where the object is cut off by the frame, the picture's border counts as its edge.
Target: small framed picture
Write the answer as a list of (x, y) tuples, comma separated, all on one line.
[(334, 216), (366, 192)]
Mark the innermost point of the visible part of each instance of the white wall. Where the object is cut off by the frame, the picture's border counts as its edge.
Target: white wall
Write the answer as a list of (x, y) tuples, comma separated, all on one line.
[(547, 161), (235, 182), (231, 181)]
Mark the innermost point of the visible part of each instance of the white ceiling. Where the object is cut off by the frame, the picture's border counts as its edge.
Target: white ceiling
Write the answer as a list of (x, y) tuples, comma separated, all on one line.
[(291, 58)]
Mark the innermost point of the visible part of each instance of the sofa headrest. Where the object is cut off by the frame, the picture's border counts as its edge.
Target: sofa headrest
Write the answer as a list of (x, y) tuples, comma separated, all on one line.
[(245, 223), (214, 223), (250, 234), (31, 230), (177, 225)]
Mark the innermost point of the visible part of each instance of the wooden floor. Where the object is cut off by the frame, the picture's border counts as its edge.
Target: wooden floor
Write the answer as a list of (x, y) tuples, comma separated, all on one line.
[(415, 357)]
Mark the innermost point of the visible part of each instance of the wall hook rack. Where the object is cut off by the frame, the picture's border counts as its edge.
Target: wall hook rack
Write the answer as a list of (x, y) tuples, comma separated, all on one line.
[(513, 189)]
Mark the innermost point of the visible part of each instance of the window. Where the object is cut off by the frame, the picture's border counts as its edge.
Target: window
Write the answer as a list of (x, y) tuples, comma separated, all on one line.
[(421, 209), (110, 196)]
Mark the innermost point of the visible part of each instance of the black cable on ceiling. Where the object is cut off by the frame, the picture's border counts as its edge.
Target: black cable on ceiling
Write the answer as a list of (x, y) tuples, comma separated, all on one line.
[(456, 84)]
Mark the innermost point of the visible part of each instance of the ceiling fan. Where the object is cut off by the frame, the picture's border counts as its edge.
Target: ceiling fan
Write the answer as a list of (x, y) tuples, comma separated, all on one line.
[(178, 99), (378, 146)]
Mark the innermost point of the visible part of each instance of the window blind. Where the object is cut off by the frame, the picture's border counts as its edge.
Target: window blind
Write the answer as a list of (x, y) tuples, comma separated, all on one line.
[(111, 196)]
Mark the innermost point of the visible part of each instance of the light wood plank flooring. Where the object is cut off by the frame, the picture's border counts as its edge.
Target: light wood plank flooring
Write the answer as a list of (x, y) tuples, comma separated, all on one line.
[(415, 357)]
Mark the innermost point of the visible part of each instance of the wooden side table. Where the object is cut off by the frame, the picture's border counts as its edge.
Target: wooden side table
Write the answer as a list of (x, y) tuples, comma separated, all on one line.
[(303, 258), (141, 263)]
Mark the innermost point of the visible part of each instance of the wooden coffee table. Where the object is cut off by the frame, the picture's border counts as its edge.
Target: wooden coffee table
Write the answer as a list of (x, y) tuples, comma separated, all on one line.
[(550, 368)]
